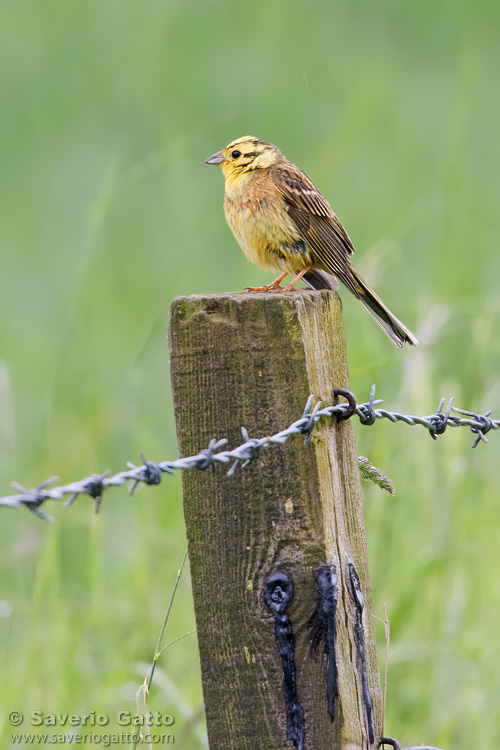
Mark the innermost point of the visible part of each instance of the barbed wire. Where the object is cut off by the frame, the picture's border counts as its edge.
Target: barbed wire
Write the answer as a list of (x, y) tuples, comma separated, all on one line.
[(151, 472)]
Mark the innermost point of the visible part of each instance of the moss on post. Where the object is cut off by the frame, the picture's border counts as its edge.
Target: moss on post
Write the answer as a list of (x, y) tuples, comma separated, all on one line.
[(252, 360)]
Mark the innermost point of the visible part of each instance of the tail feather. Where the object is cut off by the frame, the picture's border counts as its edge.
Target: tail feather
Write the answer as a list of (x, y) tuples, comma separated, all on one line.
[(392, 327), (398, 333)]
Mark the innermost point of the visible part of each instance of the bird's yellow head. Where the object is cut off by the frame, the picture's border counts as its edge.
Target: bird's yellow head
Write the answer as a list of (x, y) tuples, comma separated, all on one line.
[(246, 155)]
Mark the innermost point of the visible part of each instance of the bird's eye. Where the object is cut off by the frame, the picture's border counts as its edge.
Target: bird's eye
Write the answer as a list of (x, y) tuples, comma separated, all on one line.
[(236, 154)]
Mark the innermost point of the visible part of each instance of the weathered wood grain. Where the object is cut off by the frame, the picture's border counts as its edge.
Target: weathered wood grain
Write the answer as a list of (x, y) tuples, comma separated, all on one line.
[(252, 360)]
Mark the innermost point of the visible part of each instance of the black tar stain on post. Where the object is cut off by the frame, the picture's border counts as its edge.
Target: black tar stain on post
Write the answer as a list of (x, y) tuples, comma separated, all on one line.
[(360, 643), (277, 592), (324, 627)]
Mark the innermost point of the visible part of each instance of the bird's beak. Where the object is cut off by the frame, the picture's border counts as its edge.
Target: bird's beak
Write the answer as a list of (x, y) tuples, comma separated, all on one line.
[(215, 159)]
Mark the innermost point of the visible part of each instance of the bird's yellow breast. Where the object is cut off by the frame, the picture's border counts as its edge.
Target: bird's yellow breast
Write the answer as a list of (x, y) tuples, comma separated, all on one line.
[(256, 214)]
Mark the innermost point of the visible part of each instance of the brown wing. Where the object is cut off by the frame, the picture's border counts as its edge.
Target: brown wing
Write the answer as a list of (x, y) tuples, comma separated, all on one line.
[(316, 221)]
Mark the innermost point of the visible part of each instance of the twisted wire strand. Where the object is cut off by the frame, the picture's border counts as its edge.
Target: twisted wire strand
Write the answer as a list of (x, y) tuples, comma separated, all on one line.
[(151, 472)]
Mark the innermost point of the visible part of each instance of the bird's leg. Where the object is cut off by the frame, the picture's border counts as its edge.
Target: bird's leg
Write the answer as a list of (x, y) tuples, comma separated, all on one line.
[(274, 286), (291, 286)]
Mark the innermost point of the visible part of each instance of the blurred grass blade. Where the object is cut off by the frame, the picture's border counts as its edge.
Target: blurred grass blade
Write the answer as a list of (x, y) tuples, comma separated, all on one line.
[(167, 614), (158, 654)]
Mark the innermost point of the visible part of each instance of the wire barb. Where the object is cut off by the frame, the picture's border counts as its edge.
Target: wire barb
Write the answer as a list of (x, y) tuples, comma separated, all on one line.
[(480, 424), (439, 420), (309, 419), (150, 472), (366, 412)]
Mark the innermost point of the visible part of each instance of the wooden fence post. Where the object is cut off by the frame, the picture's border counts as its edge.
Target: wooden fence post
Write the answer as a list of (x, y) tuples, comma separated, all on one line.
[(277, 550)]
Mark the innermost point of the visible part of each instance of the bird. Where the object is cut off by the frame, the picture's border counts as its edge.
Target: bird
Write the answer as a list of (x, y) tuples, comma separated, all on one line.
[(282, 221)]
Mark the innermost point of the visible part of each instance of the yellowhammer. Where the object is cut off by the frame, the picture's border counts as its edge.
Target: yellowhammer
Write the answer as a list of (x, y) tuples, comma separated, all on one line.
[(282, 221)]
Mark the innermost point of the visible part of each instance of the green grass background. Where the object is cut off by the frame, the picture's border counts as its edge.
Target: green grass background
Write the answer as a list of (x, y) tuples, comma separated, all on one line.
[(108, 110)]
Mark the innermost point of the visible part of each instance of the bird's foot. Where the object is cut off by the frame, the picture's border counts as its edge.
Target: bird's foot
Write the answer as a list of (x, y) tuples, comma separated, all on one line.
[(274, 286), (269, 288)]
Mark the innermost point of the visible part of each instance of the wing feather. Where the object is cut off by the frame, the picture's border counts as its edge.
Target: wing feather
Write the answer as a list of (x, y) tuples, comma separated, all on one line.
[(316, 221)]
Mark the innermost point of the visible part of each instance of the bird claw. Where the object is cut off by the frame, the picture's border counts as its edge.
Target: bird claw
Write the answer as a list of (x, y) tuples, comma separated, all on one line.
[(268, 288), (274, 286)]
